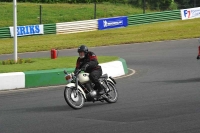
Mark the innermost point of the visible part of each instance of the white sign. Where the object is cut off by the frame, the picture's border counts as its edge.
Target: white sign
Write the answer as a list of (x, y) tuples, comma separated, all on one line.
[(190, 13), (28, 30)]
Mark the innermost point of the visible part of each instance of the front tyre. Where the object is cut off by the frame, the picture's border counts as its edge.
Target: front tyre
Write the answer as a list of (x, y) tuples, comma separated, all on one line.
[(74, 98), (112, 95)]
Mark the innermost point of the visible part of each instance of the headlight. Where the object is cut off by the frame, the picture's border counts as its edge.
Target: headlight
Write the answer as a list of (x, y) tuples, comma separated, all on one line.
[(68, 77)]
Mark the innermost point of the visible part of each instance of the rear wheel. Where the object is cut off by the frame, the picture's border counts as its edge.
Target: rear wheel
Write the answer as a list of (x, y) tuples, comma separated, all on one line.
[(74, 98), (112, 95)]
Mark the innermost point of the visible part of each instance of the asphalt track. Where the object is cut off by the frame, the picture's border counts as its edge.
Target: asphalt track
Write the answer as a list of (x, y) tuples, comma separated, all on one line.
[(163, 96)]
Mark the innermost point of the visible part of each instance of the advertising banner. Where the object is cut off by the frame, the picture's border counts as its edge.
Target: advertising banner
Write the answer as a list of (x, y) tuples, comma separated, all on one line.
[(116, 22), (27, 30), (190, 13)]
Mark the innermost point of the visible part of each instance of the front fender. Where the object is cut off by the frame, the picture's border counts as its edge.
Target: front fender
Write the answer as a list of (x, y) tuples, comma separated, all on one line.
[(79, 88)]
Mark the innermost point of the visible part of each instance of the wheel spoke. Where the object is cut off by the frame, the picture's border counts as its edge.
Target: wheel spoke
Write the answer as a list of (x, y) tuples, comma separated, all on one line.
[(112, 94)]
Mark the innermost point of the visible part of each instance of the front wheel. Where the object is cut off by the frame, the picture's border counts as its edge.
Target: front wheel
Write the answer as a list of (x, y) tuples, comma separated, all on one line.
[(74, 98), (112, 95)]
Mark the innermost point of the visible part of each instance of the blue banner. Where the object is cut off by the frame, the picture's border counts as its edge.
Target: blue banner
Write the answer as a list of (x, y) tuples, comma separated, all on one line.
[(27, 30), (108, 23)]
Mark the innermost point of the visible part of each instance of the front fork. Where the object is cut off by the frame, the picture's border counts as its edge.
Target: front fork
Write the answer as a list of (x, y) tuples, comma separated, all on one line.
[(76, 86)]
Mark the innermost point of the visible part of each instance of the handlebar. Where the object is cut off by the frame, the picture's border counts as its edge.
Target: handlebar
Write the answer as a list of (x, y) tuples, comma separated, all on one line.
[(77, 72), (65, 72)]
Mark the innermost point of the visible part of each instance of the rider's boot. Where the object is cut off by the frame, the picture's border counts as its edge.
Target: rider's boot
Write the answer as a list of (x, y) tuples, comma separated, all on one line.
[(101, 89)]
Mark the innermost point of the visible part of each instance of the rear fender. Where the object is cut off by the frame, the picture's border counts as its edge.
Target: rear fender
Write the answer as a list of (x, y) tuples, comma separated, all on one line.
[(70, 85), (111, 80)]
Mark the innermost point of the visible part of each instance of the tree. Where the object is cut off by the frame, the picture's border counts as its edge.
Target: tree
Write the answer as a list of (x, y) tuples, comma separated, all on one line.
[(183, 3), (152, 4), (194, 2), (159, 4), (187, 3)]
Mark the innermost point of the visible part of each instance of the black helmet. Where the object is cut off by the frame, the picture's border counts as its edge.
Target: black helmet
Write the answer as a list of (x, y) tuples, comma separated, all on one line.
[(83, 48)]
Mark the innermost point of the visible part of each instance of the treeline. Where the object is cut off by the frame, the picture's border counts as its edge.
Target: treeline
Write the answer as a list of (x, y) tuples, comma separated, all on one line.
[(166, 4), (150, 4)]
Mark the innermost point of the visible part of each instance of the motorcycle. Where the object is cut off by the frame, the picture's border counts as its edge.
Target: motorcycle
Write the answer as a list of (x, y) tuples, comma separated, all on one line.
[(80, 89)]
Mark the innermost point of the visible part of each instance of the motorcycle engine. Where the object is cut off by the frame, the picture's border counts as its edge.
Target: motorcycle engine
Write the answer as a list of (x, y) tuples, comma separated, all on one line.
[(91, 95)]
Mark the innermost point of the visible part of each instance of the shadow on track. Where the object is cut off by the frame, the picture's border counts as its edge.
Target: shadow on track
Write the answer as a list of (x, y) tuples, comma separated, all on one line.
[(49, 109), (191, 80), (38, 109)]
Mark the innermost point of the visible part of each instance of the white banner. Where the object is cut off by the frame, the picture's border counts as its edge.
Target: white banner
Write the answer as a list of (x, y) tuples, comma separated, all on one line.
[(27, 30), (190, 13)]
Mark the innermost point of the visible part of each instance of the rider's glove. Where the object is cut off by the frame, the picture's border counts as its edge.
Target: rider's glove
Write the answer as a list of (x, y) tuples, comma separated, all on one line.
[(84, 68), (198, 57)]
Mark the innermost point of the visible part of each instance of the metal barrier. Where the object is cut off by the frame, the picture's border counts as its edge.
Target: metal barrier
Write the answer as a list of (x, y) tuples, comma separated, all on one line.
[(5, 32), (91, 25), (154, 17), (77, 26), (49, 28)]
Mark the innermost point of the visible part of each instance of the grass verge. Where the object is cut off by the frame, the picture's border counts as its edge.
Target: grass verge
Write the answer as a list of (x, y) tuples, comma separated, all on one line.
[(133, 34), (47, 63), (28, 13)]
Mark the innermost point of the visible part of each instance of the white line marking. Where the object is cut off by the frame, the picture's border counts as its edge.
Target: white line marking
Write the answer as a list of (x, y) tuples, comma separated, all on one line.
[(132, 72)]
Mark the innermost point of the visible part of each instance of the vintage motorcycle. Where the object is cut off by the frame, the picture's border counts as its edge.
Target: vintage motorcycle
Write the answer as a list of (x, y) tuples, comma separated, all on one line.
[(80, 89)]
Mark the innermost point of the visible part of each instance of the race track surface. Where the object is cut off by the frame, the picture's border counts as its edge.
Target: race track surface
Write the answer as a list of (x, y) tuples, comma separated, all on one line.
[(163, 96)]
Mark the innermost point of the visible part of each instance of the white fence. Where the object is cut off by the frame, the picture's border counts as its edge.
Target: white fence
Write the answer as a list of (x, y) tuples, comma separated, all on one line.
[(77, 26)]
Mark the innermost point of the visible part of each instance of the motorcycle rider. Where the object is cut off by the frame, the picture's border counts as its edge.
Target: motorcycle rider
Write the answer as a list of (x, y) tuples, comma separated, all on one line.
[(87, 61)]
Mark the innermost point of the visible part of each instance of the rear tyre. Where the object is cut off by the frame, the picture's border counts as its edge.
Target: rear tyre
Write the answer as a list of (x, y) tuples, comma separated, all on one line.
[(112, 95), (74, 98)]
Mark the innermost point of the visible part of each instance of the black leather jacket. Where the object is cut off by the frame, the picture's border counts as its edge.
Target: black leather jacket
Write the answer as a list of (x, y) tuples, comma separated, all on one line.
[(90, 59)]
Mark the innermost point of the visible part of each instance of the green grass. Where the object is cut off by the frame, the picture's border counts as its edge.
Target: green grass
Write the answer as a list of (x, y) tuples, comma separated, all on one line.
[(47, 63), (28, 13), (133, 34)]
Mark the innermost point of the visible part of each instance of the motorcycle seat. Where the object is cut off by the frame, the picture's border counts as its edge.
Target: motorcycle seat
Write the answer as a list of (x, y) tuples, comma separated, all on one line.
[(104, 76)]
